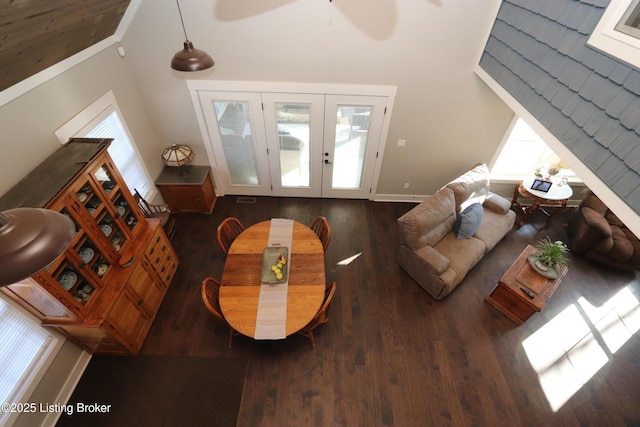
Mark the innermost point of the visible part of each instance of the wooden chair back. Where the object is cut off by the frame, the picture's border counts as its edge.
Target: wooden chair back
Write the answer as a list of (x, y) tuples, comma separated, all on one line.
[(321, 227), (321, 317), (227, 232), (210, 290), (162, 212), (211, 297)]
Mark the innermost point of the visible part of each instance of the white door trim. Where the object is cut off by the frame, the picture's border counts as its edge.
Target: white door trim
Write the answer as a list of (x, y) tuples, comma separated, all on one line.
[(196, 86)]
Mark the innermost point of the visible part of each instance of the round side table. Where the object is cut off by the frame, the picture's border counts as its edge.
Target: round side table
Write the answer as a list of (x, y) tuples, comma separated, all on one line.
[(549, 203)]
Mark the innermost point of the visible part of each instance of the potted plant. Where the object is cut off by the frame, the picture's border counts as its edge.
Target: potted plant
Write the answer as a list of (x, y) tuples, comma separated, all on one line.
[(550, 257)]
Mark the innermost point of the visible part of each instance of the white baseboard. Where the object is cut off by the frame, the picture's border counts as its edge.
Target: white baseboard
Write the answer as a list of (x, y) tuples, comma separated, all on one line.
[(67, 389), (408, 198)]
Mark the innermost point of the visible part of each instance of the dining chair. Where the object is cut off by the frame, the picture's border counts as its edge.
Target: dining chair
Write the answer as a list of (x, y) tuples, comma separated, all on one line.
[(321, 316), (227, 232), (321, 227), (211, 298), (160, 211)]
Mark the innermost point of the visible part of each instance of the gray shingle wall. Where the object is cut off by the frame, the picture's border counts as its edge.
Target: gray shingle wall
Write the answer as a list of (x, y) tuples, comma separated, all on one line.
[(588, 100)]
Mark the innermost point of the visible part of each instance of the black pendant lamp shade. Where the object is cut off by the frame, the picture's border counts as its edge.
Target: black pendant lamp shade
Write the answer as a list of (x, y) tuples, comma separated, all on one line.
[(30, 239), (190, 58)]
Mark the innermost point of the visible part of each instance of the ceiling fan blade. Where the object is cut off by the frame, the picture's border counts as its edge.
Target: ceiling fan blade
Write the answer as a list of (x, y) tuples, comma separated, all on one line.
[(376, 18)]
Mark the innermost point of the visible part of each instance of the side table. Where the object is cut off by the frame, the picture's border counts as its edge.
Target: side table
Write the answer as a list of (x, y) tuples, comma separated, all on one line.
[(187, 189), (556, 198), (522, 291)]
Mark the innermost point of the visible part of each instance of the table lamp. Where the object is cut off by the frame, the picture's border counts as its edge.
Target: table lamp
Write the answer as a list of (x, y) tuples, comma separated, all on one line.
[(178, 155)]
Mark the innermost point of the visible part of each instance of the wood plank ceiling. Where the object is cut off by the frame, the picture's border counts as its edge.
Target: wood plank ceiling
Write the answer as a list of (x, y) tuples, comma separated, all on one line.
[(36, 34)]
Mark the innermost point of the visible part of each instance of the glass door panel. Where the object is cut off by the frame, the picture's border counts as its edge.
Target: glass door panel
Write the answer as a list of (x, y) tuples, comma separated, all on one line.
[(236, 130), (293, 143), (237, 142), (111, 230), (350, 145), (352, 140), (103, 177), (124, 211), (294, 126)]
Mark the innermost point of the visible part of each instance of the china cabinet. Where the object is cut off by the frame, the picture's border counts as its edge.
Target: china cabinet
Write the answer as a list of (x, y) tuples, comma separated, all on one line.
[(104, 291)]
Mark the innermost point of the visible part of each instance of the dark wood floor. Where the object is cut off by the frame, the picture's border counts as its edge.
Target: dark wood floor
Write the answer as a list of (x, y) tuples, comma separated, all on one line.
[(392, 356)]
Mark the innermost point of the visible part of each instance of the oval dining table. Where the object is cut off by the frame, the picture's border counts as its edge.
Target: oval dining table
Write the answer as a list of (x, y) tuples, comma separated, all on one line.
[(240, 284)]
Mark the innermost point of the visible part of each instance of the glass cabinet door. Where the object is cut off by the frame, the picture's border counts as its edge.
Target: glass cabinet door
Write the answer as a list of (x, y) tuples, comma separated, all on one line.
[(100, 211), (105, 221), (126, 216), (77, 269)]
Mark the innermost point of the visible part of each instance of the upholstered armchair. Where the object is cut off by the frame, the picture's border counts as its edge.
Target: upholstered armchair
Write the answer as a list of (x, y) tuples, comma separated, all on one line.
[(596, 233)]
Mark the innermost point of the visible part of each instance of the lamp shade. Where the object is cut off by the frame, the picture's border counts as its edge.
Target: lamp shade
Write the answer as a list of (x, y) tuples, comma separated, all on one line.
[(555, 160), (177, 155), (191, 59), (30, 239)]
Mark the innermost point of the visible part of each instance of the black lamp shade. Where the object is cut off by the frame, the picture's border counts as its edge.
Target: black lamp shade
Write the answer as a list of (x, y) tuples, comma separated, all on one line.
[(191, 59), (30, 239)]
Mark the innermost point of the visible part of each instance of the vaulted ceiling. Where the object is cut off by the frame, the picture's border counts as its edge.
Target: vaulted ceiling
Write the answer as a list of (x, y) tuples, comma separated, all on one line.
[(36, 34)]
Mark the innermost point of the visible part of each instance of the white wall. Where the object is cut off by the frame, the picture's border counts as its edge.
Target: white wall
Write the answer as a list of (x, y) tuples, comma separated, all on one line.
[(427, 48), (29, 121)]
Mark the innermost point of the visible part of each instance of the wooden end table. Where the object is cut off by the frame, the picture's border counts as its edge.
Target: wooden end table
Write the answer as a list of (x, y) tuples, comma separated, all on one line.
[(187, 189), (556, 198), (522, 291)]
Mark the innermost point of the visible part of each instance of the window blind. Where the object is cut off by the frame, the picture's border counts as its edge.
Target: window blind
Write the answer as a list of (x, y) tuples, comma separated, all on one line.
[(24, 346), (123, 155)]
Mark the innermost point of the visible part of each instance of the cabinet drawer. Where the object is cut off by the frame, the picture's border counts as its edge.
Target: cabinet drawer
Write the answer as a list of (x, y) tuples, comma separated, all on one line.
[(512, 305), (167, 268), (162, 258)]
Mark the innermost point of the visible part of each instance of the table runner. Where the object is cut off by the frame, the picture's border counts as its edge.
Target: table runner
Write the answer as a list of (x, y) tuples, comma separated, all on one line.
[(271, 318)]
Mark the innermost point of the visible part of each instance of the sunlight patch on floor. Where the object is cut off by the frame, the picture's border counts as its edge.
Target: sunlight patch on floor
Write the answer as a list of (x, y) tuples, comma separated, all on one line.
[(349, 260), (572, 347)]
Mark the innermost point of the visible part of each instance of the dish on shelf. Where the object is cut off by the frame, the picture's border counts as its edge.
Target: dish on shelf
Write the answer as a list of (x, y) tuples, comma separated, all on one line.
[(67, 279), (121, 210), (86, 254), (81, 296), (102, 269), (82, 196), (91, 210), (106, 229)]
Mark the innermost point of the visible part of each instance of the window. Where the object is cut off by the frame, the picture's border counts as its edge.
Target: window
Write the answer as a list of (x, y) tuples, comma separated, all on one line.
[(122, 152), (630, 21), (524, 153), (618, 32), (103, 119), (26, 352)]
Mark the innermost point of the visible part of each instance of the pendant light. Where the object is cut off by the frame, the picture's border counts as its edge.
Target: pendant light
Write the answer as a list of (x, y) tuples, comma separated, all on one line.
[(189, 58), (30, 239)]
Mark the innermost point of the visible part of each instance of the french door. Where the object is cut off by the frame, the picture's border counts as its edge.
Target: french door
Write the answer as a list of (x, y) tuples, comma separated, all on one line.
[(353, 128), (294, 144)]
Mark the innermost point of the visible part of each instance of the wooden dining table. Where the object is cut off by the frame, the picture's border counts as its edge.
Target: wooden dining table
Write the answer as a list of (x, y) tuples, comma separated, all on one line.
[(240, 285)]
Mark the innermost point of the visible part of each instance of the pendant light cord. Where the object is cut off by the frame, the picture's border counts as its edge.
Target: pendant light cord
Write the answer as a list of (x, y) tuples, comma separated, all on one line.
[(182, 21)]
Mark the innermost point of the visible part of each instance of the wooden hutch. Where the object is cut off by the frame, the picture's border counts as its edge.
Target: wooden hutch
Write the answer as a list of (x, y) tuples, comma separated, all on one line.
[(104, 291)]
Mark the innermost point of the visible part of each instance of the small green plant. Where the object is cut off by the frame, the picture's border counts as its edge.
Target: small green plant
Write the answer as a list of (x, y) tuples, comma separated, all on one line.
[(551, 253)]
